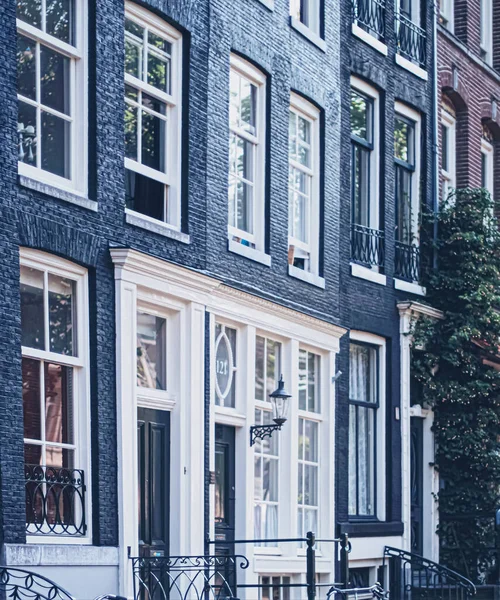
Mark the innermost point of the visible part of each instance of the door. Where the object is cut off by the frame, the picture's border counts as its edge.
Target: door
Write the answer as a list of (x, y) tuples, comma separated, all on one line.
[(417, 480), (224, 513), (153, 444)]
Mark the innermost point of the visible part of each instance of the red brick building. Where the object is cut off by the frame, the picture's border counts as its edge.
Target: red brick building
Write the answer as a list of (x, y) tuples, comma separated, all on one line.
[(468, 62)]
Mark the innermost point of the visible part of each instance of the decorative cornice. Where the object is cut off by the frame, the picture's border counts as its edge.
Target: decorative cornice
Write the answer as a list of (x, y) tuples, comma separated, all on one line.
[(409, 308)]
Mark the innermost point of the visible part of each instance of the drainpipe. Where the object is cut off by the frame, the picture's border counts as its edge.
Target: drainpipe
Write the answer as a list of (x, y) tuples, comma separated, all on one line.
[(435, 135)]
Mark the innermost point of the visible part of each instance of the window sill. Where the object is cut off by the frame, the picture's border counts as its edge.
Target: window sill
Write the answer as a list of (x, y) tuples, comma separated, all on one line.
[(409, 66), (308, 34), (138, 220), (250, 253), (371, 528), (267, 551), (36, 554), (269, 4), (369, 39), (310, 278), (368, 274), (406, 286), (57, 192)]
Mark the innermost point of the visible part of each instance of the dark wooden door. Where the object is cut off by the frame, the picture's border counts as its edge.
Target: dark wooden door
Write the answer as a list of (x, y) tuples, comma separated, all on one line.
[(224, 489), (153, 443), (417, 478)]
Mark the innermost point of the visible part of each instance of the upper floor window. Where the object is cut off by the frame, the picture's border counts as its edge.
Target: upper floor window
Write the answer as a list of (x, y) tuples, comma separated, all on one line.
[(410, 35), (366, 427), (369, 15), (52, 92), (303, 186), (54, 338), (246, 155), (366, 240), (151, 351), (153, 92), (448, 153), (486, 25), (407, 192), (307, 12), (487, 162), (446, 13), (308, 442)]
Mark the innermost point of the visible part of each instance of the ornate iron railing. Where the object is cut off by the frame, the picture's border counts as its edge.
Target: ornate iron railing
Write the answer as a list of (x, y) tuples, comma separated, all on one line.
[(407, 262), (367, 245), (19, 584), (187, 577), (370, 16), (413, 577), (374, 592), (411, 40), (55, 501)]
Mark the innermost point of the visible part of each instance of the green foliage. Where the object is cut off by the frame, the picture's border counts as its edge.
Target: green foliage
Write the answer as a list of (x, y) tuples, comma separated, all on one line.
[(455, 373)]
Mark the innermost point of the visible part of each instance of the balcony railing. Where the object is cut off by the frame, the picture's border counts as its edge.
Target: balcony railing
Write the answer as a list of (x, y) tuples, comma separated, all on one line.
[(407, 262), (411, 40), (55, 501), (367, 246), (370, 16)]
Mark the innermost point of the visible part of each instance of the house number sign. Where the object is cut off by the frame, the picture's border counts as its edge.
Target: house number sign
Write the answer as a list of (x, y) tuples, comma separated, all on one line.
[(224, 364)]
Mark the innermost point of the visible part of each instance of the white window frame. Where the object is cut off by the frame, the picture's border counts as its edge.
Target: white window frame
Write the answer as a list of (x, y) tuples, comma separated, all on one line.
[(365, 89), (302, 108), (415, 11), (172, 176), (447, 13), (488, 152), (486, 30), (409, 113), (448, 175), (380, 422), (313, 9), (244, 69), (78, 102), (80, 363)]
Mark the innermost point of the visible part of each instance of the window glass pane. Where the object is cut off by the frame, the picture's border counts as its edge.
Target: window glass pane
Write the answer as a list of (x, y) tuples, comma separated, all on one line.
[(444, 147), (292, 135), (58, 457), (145, 195), (273, 366), (131, 131), (31, 399), (30, 11), (135, 29), (361, 185), (260, 393), (159, 72), (133, 59), (32, 310), (62, 311), (366, 450), (220, 486), (353, 481), (403, 141), (32, 454), (312, 374), (159, 43), (360, 116), (151, 351), (248, 104), (26, 67), (58, 404), (234, 99), (26, 129), (59, 19), (310, 440), (54, 73), (404, 229), (225, 365), (153, 141), (302, 380), (363, 373), (55, 145)]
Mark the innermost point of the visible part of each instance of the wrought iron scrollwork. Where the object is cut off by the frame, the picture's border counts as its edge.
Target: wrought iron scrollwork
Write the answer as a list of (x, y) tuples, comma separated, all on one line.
[(370, 16), (411, 40), (367, 245), (55, 500), (259, 432), (407, 262), (375, 592), (19, 584)]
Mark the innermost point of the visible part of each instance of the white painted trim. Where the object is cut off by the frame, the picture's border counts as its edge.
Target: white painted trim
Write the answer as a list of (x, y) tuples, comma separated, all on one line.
[(308, 33), (406, 286), (449, 176), (413, 68), (269, 4), (249, 252), (447, 14), (486, 30), (487, 150), (369, 39), (161, 228), (368, 274), (417, 309), (306, 276), (57, 555)]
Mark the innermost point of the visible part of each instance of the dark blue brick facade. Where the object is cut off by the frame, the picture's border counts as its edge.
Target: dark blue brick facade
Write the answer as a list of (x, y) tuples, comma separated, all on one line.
[(211, 28)]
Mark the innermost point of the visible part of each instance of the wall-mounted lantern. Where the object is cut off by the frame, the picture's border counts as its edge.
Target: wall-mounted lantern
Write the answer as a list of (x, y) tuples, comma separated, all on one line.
[(279, 402)]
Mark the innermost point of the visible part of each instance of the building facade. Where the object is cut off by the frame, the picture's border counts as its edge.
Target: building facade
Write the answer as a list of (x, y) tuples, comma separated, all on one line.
[(196, 200)]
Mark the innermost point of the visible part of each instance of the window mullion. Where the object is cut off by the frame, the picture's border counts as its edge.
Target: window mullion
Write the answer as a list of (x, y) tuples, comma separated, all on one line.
[(139, 127), (46, 311), (44, 15), (145, 55), (43, 457), (38, 109)]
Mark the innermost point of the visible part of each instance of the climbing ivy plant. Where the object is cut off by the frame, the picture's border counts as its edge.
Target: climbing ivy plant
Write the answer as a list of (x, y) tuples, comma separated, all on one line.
[(456, 365)]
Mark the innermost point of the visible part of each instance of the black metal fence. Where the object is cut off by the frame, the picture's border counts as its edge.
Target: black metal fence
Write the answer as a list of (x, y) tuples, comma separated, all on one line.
[(55, 500), (367, 246), (407, 262), (412, 577), (19, 584), (411, 40), (218, 577), (374, 592), (370, 16)]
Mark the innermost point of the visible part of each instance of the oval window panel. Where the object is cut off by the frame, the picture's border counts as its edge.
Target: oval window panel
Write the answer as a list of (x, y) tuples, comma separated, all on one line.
[(223, 365)]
